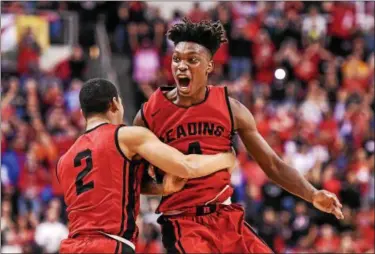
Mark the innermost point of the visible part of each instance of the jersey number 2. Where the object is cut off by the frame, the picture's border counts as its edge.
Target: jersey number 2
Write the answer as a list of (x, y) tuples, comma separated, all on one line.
[(194, 148), (80, 187)]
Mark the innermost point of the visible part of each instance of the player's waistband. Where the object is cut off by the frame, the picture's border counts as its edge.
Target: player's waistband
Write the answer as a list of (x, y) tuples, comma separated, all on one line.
[(114, 237), (198, 210), (120, 239)]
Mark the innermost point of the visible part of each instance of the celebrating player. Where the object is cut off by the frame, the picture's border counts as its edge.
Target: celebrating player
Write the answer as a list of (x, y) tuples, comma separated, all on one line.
[(195, 117)]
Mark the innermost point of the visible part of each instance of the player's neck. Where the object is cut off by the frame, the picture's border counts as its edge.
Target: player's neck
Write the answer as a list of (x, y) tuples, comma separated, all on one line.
[(187, 101), (94, 121)]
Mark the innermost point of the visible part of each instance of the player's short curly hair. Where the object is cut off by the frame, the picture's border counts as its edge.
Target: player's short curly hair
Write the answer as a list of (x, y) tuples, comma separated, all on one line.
[(96, 95), (207, 33)]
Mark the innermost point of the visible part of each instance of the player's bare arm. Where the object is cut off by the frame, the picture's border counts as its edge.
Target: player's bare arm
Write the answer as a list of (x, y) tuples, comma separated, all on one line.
[(138, 140), (149, 186), (277, 170)]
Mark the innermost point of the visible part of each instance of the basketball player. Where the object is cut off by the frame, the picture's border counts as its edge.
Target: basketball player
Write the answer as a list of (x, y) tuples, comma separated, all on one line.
[(197, 118), (98, 176)]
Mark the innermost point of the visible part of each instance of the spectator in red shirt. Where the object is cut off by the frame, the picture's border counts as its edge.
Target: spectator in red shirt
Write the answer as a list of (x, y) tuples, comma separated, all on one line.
[(328, 241), (330, 181), (263, 52), (33, 179), (28, 53), (342, 27)]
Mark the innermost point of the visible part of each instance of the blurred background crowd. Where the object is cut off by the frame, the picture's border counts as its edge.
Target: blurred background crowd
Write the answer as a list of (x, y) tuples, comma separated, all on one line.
[(304, 69)]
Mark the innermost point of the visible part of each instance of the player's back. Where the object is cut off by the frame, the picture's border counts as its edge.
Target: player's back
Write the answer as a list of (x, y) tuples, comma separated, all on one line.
[(99, 184)]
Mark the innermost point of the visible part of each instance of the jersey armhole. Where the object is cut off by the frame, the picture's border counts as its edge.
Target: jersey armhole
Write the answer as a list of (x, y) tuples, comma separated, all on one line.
[(229, 109), (118, 144), (144, 117)]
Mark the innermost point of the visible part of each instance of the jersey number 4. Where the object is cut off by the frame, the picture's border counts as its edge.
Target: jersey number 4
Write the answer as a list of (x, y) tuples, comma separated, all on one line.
[(80, 187), (194, 148)]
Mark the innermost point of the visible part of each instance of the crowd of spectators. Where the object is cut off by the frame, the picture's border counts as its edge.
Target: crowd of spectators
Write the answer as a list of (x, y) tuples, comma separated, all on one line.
[(304, 69)]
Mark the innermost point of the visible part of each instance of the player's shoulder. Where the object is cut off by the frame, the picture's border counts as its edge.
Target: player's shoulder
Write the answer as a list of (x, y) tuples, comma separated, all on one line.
[(103, 131), (235, 104), (64, 160), (131, 137), (132, 134), (241, 114), (158, 99), (69, 153), (218, 91), (152, 100)]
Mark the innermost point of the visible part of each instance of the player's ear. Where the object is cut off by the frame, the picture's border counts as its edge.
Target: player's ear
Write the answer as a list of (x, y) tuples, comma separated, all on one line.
[(210, 67), (82, 113), (115, 104)]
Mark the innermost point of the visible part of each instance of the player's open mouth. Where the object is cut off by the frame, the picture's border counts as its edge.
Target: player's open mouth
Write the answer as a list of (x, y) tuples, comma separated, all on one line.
[(184, 82)]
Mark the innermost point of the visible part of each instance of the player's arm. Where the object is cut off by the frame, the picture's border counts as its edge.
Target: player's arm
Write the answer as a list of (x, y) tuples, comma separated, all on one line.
[(138, 140), (170, 183), (277, 170)]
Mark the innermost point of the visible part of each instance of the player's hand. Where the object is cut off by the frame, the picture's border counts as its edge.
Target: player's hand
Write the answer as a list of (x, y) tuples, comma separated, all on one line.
[(172, 184), (327, 202), (151, 172)]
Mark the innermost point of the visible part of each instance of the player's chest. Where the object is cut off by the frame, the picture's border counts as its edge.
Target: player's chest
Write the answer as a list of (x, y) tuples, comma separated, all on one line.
[(188, 124)]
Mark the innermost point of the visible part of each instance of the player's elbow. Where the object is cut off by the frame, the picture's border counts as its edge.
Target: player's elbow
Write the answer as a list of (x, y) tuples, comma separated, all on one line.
[(189, 167)]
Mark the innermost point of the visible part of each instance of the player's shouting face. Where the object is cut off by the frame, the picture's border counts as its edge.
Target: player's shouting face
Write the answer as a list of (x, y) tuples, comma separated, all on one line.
[(191, 64)]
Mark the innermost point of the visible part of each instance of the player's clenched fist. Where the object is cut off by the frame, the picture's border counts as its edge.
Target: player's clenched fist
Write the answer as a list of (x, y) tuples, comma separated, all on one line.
[(327, 202)]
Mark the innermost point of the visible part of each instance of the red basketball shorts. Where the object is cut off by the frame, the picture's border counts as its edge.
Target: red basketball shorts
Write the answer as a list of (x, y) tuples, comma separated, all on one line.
[(94, 244), (209, 229)]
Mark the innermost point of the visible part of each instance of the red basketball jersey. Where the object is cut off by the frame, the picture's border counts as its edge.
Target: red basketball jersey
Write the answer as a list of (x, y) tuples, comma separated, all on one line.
[(101, 186), (205, 128)]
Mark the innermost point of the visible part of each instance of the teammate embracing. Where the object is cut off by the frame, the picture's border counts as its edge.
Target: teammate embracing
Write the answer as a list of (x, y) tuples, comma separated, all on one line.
[(100, 180)]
